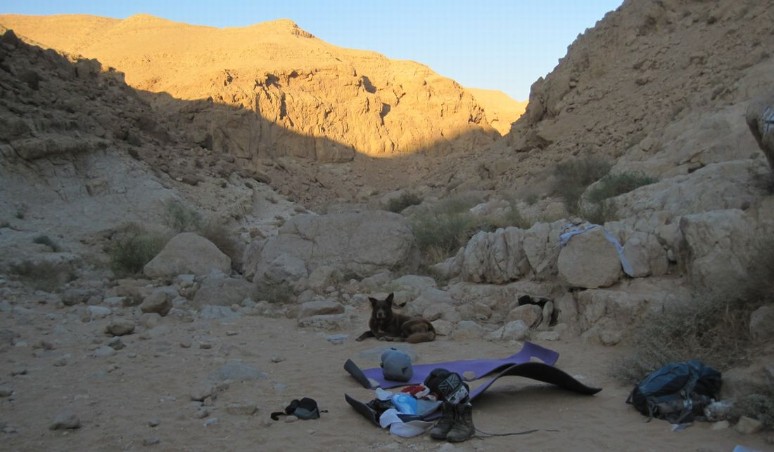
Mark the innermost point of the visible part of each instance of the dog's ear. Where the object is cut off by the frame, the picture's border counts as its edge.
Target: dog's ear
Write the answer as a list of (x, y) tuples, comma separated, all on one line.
[(373, 301), (390, 297)]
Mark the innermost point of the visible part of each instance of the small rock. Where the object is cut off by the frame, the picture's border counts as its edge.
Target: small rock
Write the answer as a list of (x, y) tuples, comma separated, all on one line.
[(103, 352), (211, 421), (5, 391), (159, 302), (98, 312), (150, 320), (467, 329), (515, 330), (337, 339), (45, 345), (548, 336), (116, 344), (154, 422), (62, 360), (277, 359), (748, 425), (242, 408), (114, 302), (201, 392), (65, 421), (152, 441), (212, 312), (320, 307), (721, 425), (237, 371), (120, 327)]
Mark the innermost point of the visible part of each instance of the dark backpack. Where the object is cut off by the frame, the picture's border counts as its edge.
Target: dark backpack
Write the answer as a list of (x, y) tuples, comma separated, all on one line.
[(305, 408), (678, 392)]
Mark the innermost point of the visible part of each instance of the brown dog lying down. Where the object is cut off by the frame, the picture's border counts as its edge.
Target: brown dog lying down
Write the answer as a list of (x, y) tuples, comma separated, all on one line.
[(387, 325)]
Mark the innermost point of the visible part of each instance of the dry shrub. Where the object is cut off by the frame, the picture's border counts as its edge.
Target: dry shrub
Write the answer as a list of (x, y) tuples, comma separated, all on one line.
[(279, 293), (443, 228), (574, 176), (757, 406), (599, 213), (441, 233), (220, 236), (400, 203), (44, 275), (511, 217), (181, 218), (715, 331), (613, 185), (46, 240), (132, 247)]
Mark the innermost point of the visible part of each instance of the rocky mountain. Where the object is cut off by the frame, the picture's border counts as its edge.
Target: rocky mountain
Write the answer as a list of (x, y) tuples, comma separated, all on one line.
[(82, 154), (501, 110), (634, 88), (302, 88)]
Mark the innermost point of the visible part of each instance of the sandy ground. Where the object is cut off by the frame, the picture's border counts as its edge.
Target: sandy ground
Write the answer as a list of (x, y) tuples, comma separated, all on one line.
[(140, 397)]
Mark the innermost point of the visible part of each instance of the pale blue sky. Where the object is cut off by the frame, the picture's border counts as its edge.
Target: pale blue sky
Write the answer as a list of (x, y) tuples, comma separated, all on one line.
[(493, 44)]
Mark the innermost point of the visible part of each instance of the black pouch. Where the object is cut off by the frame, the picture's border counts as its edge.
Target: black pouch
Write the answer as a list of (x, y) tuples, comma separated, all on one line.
[(449, 386), (304, 408)]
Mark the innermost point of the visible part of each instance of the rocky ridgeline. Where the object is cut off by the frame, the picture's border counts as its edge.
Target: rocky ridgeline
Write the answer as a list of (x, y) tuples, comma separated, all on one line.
[(660, 88), (295, 95)]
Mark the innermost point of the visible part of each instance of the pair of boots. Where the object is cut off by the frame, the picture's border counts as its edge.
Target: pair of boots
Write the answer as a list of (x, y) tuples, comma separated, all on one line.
[(456, 423)]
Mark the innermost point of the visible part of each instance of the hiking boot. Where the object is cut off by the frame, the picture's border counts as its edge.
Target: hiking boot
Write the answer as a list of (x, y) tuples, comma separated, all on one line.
[(463, 428), (442, 427)]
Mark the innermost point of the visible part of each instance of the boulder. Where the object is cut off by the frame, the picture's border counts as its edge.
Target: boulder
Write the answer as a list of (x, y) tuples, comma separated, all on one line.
[(623, 305), (429, 297), (468, 329), (319, 307), (221, 290), (187, 253), (120, 327), (541, 247), (589, 260), (716, 186), (511, 331), (753, 379), (442, 311), (762, 323), (530, 314), (719, 245), (159, 302), (645, 254), (215, 312), (759, 117), (495, 257), (351, 243)]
